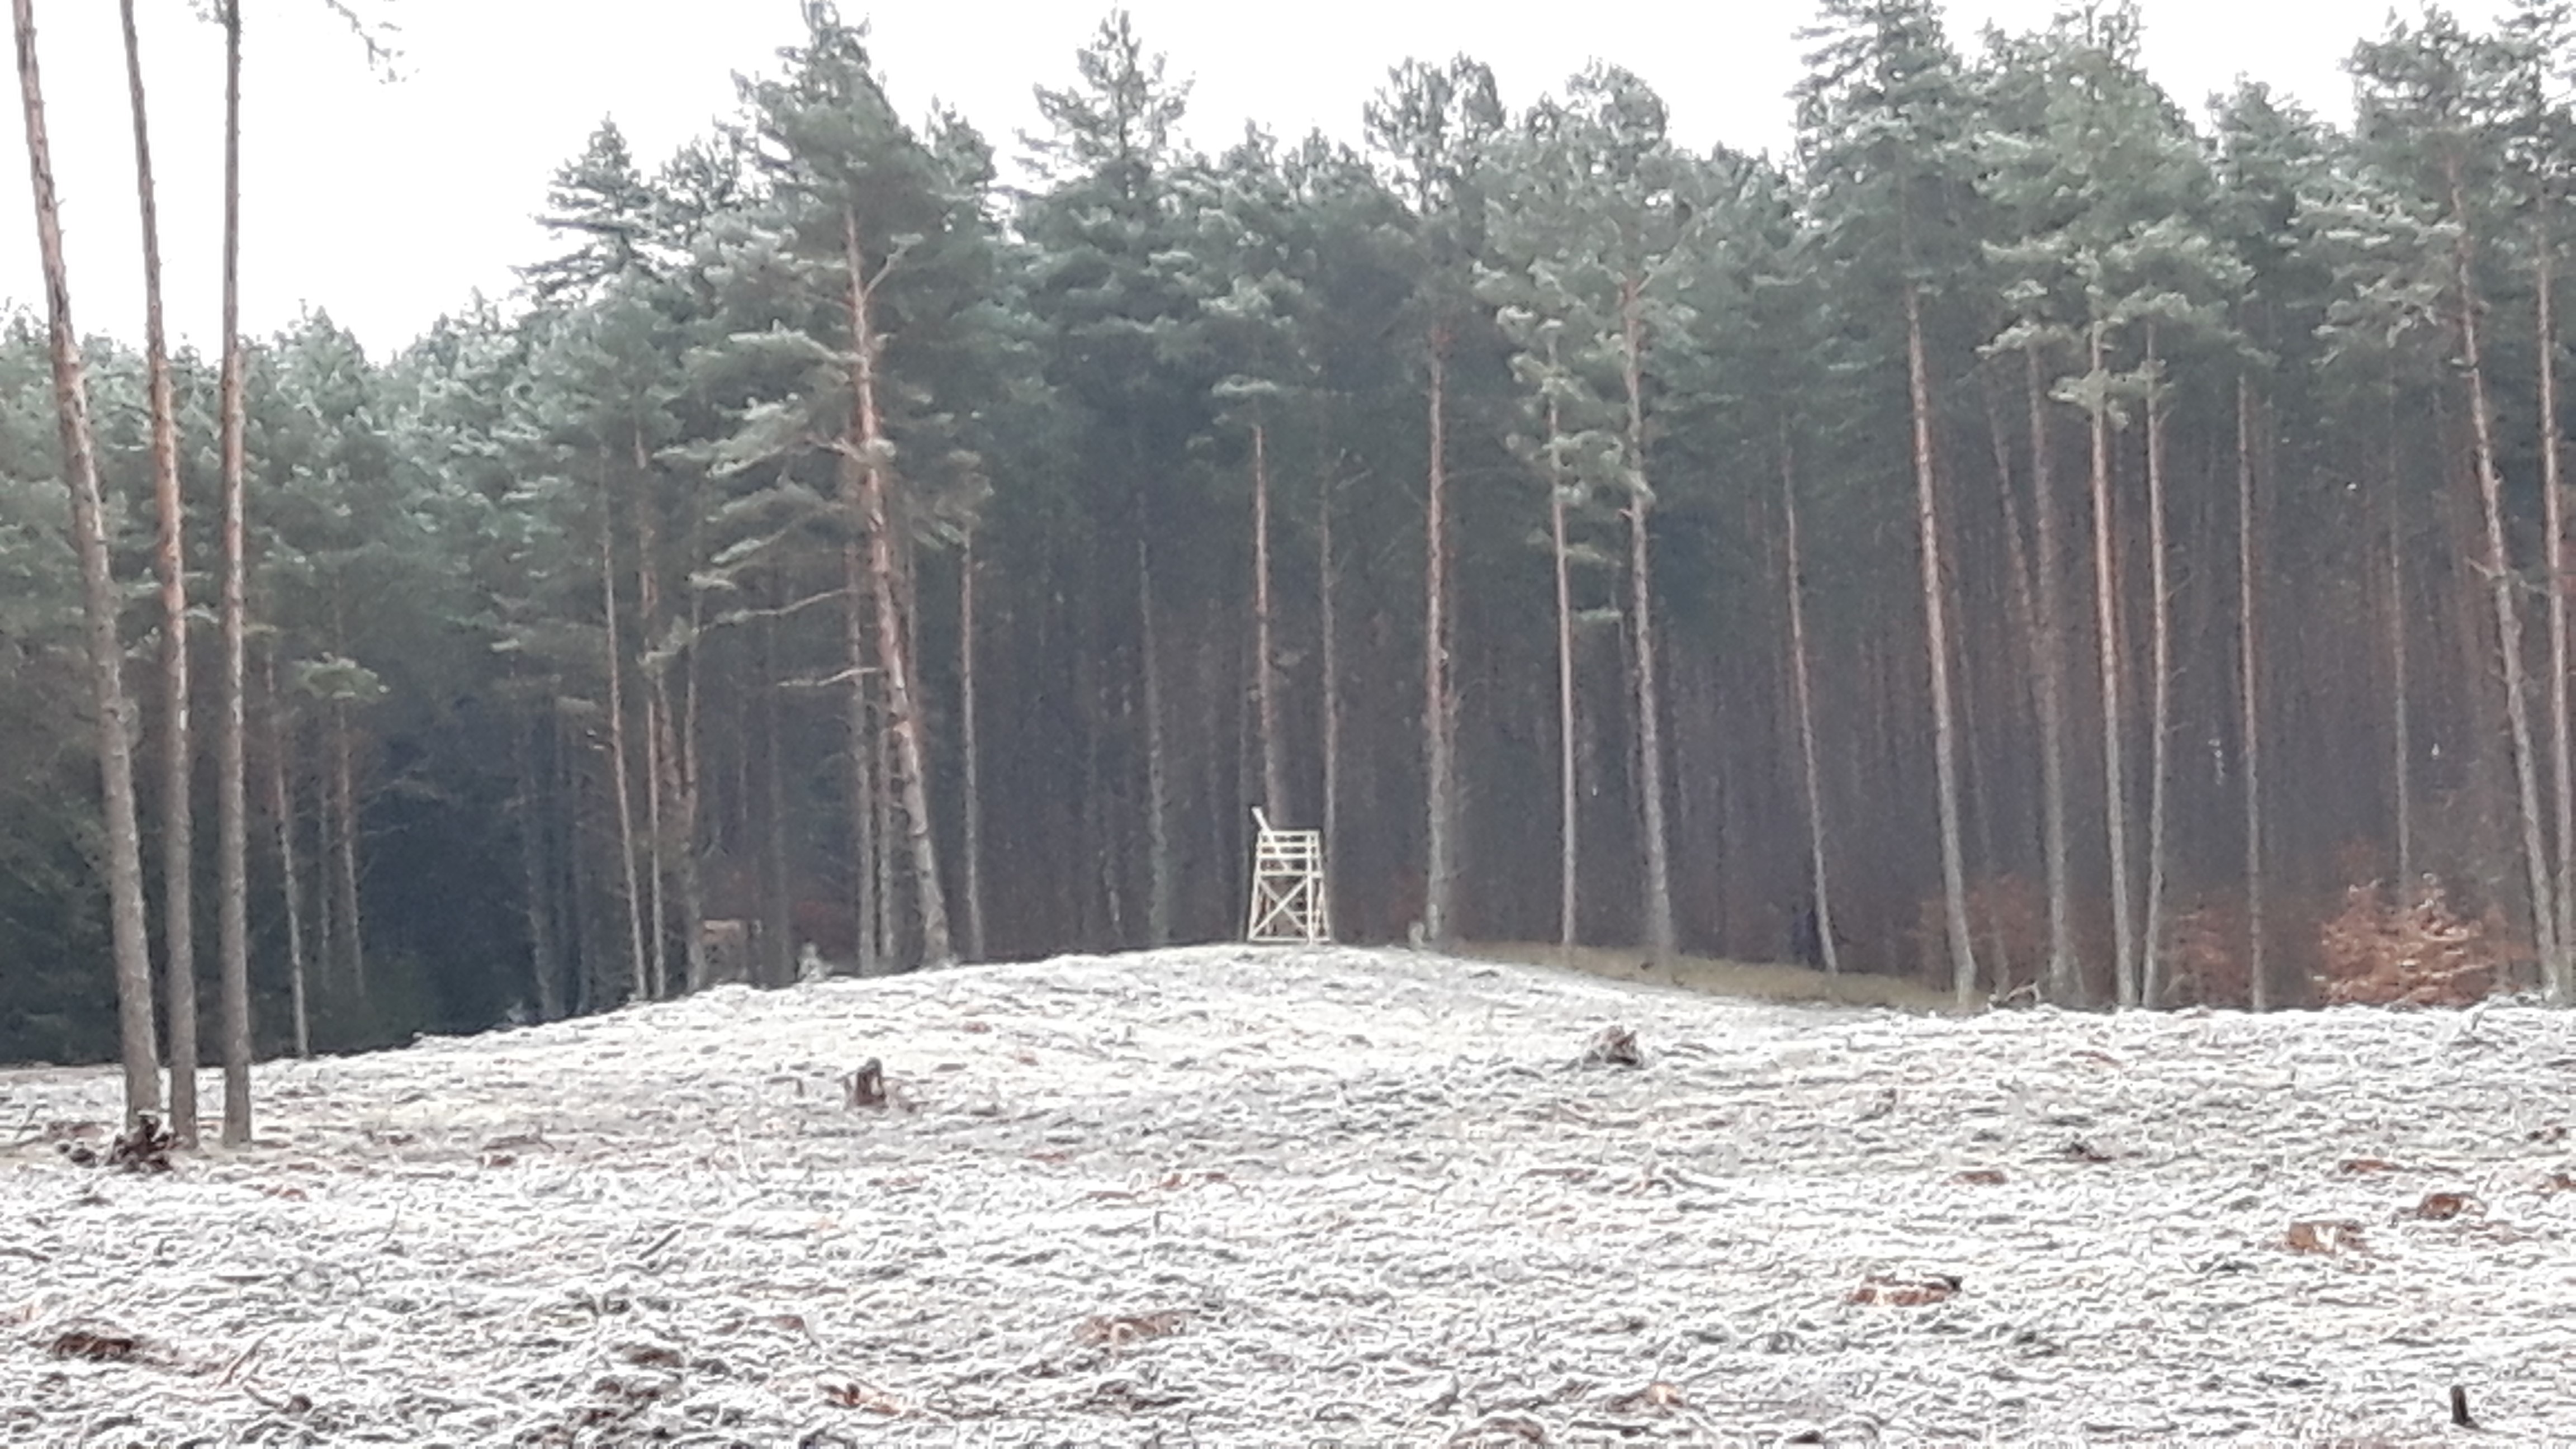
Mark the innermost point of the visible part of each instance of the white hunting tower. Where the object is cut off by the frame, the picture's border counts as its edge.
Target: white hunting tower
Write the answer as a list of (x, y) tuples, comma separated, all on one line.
[(1288, 902)]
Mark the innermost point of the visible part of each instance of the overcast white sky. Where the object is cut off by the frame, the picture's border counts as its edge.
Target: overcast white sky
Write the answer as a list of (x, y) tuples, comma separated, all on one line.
[(386, 204)]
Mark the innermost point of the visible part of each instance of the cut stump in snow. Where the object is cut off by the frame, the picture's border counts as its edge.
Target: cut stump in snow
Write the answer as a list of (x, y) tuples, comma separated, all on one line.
[(1615, 1046), (866, 1087)]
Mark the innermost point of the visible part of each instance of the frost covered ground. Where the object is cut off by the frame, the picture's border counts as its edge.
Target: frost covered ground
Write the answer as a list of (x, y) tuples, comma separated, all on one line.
[(1226, 1196)]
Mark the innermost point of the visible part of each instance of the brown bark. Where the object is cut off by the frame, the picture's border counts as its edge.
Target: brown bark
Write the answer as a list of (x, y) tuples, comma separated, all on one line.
[(857, 717), (544, 969), (1161, 870), (178, 814), (1330, 664), (126, 923), (1927, 497), (2160, 709), (867, 485), (2503, 588), (232, 769), (2249, 694)]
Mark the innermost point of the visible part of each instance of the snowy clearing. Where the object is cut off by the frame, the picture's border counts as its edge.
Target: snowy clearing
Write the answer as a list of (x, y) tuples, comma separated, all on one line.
[(1236, 1196)]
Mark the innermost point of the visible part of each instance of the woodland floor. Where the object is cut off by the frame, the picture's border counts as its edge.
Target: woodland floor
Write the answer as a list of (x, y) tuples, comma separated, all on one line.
[(1236, 1196)]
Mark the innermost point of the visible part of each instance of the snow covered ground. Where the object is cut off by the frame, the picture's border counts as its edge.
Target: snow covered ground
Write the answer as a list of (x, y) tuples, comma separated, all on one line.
[(1236, 1196)]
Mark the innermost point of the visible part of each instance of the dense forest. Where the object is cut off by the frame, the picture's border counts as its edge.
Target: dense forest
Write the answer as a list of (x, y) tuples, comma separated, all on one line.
[(2042, 533)]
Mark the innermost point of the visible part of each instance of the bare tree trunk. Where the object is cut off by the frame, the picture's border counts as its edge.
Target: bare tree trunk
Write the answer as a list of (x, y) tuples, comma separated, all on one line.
[(2048, 642), (863, 754), (544, 970), (903, 716), (232, 768), (971, 745), (1274, 747), (2402, 767), (657, 931), (178, 813), (127, 929), (1331, 665), (2503, 586), (1819, 877), (281, 798), (2249, 663), (2106, 599), (661, 768), (2160, 711), (643, 983), (1650, 748), (778, 903), (2562, 734), (1568, 798), (1954, 883), (1439, 709), (1159, 864)]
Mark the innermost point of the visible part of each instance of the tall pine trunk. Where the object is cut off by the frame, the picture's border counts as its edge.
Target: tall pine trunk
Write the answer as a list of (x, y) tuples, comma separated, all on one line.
[(2562, 731), (2106, 603), (970, 744), (862, 747), (2401, 713), (2503, 588), (621, 772), (872, 487), (1819, 876), (2160, 710), (544, 969), (281, 804), (126, 924), (1161, 869), (178, 813), (1650, 749), (232, 769), (1274, 746), (1330, 664), (2048, 642), (1568, 791), (1439, 710), (1945, 740), (2249, 695)]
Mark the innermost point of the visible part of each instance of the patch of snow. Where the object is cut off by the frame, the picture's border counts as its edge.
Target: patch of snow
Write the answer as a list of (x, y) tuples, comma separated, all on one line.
[(1234, 1195)]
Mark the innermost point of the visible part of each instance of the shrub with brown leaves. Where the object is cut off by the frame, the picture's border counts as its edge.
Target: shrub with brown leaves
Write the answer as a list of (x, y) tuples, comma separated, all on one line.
[(2378, 951)]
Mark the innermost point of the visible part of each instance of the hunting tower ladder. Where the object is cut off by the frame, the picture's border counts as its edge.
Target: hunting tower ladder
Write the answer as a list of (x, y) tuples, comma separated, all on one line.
[(1288, 902)]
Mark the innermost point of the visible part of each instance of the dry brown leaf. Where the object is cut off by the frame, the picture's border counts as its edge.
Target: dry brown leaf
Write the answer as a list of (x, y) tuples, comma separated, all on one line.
[(2357, 1166), (2441, 1207), (1658, 1397), (95, 1346), (1906, 1293), (1980, 1177), (1111, 1330), (2559, 1182), (2324, 1235)]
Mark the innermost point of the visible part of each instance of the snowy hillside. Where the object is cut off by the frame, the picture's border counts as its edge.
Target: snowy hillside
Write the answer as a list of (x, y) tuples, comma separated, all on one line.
[(1225, 1196)]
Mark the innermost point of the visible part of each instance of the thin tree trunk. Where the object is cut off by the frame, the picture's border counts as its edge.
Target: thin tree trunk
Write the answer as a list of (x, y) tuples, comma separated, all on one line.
[(1274, 746), (2106, 599), (2048, 642), (1331, 665), (178, 814), (1650, 749), (2562, 731), (971, 745), (863, 754), (127, 929), (657, 930), (778, 902), (1819, 877), (1954, 883), (344, 794), (232, 769), (2160, 711), (661, 746), (903, 717), (2249, 693), (2402, 731), (1439, 712), (2503, 586), (642, 983), (1159, 864), (281, 798), (1569, 799)]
